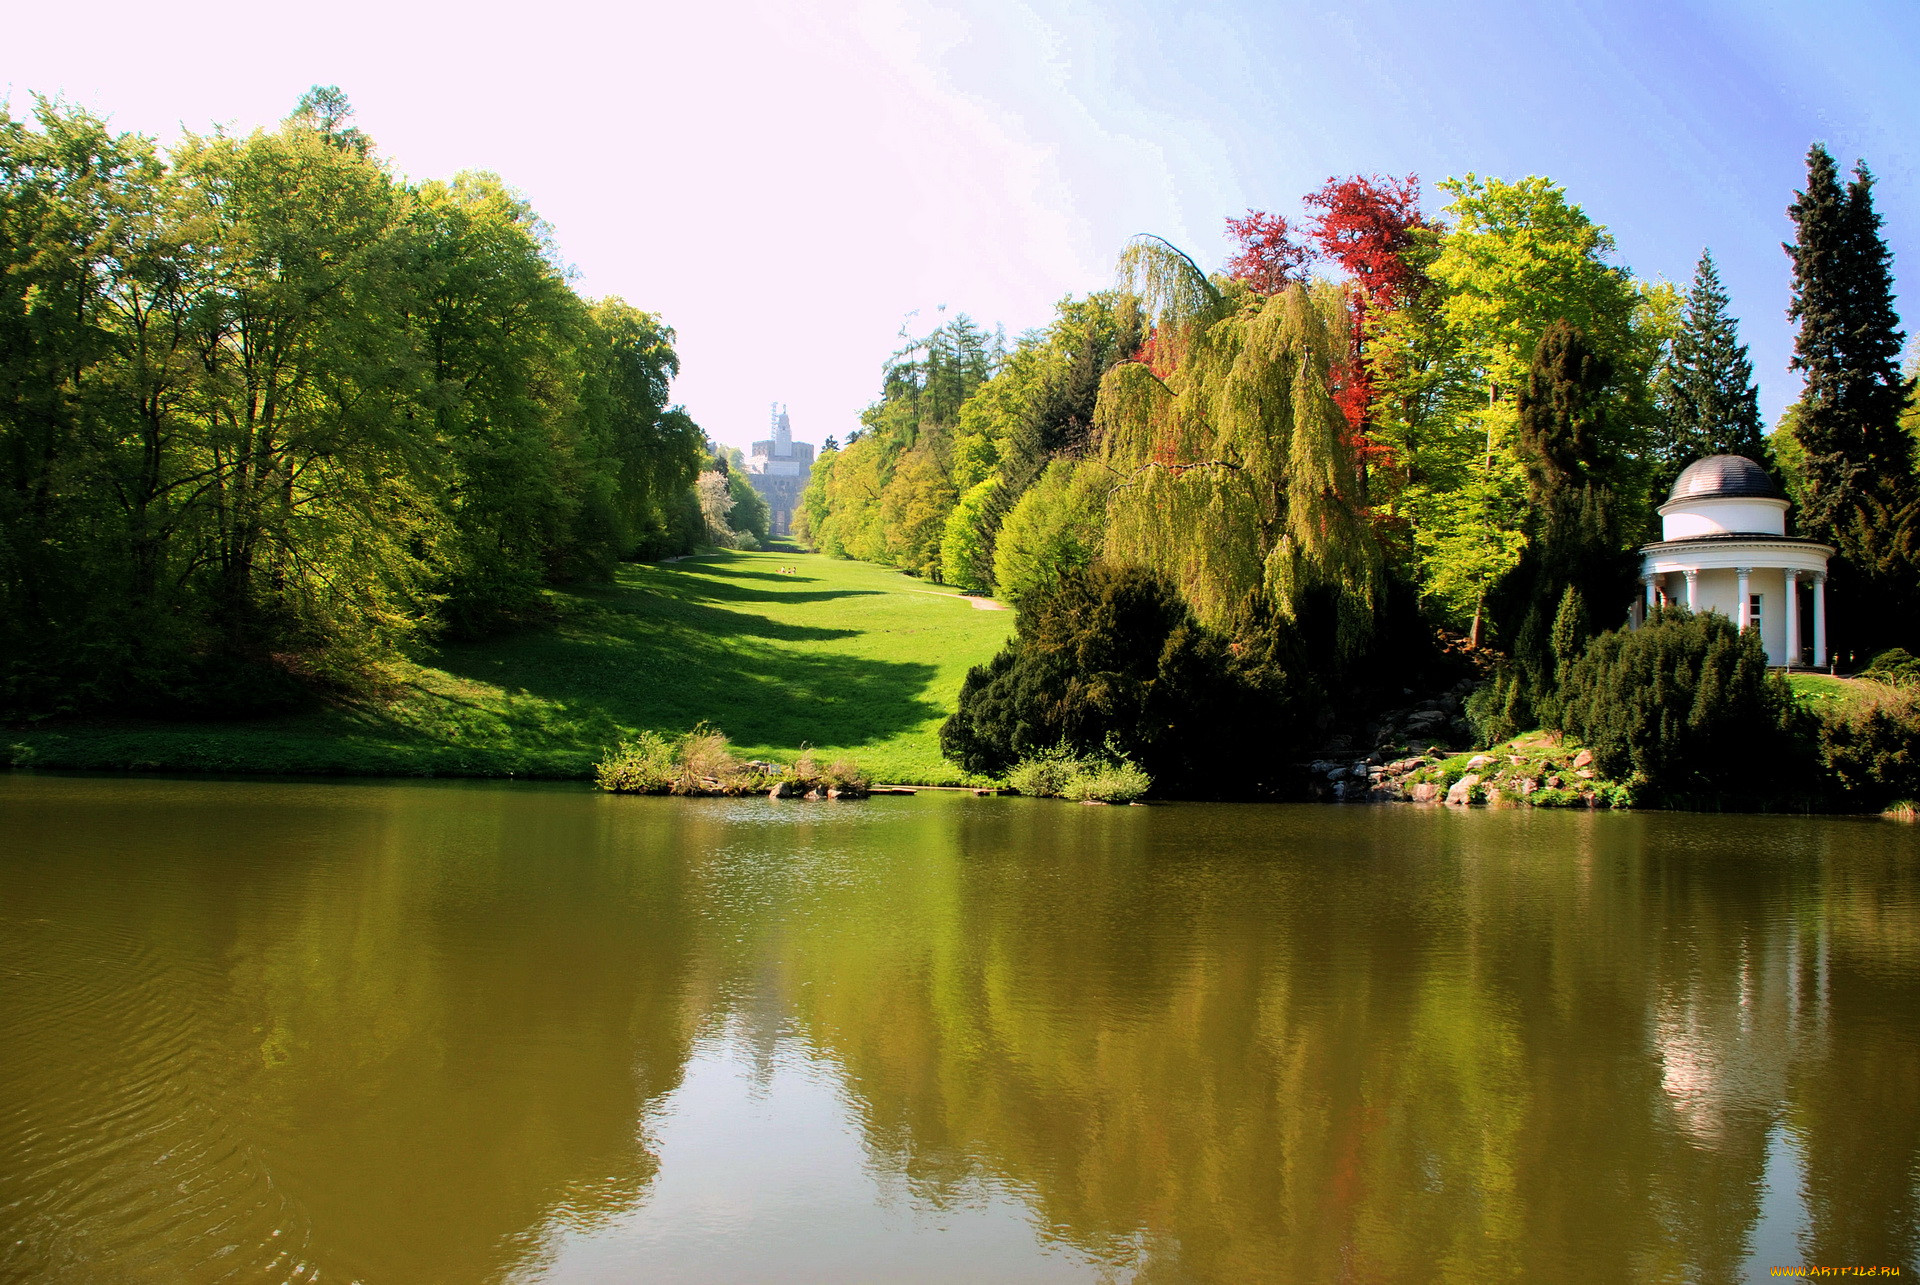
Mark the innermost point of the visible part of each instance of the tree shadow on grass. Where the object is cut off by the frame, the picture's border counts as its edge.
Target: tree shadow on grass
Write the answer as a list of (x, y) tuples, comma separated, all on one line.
[(690, 586), (733, 572), (665, 665)]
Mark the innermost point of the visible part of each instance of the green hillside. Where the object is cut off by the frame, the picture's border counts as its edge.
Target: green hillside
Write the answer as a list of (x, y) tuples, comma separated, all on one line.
[(846, 656)]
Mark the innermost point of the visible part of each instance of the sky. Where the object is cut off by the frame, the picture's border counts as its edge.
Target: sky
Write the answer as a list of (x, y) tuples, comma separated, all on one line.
[(792, 186)]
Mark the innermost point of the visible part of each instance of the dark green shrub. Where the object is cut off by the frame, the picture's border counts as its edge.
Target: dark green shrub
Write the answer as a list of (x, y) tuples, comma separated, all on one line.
[(1685, 709), (1108, 661), (1500, 708), (1871, 753), (1895, 665)]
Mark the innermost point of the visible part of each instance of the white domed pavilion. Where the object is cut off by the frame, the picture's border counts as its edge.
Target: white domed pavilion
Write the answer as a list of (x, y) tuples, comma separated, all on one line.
[(1725, 548)]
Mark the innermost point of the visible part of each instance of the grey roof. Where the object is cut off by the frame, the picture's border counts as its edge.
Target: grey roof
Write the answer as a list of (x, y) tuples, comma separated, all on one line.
[(1723, 475)]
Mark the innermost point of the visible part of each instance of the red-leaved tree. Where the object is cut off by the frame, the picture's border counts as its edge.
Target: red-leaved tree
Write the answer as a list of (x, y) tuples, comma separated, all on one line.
[(1366, 225), (1269, 259)]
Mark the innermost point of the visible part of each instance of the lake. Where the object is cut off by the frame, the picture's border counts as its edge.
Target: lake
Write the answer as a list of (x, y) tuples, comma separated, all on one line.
[(442, 1031)]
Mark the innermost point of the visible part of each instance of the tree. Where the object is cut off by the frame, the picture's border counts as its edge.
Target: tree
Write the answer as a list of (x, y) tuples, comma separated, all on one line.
[(326, 110), (966, 560), (1704, 390), (267, 414), (1514, 259), (1576, 558), (887, 494), (749, 515), (1053, 531), (1368, 226), (1234, 476), (1857, 486), (1268, 257)]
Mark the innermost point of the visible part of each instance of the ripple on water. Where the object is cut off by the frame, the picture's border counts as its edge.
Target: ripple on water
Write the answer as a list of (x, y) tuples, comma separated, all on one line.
[(126, 1163)]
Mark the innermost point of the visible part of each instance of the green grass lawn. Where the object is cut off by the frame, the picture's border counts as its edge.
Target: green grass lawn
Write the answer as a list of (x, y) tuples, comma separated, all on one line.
[(849, 657), (1822, 691)]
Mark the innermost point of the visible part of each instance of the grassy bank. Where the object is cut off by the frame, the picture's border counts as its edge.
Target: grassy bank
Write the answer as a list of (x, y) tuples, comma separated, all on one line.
[(850, 657)]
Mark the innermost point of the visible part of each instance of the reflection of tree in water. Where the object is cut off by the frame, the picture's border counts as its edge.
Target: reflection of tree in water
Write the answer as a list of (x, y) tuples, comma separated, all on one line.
[(416, 1031), (418, 1014), (487, 1026), (1343, 1045)]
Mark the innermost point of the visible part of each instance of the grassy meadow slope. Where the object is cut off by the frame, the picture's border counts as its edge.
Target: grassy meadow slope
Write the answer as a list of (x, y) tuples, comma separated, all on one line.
[(849, 657)]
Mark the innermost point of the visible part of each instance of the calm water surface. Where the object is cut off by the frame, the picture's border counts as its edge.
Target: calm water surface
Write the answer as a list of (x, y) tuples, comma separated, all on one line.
[(444, 1032)]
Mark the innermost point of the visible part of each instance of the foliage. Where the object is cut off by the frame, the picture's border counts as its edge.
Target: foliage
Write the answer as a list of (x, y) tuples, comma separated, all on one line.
[(1894, 665), (1684, 707), (1367, 226), (885, 497), (1110, 660), (648, 764), (1511, 261), (748, 515), (966, 559), (268, 415), (716, 510), (1234, 477), (701, 763), (1059, 773), (1856, 486), (1871, 750), (1576, 551), (1268, 257), (1054, 530), (1704, 387)]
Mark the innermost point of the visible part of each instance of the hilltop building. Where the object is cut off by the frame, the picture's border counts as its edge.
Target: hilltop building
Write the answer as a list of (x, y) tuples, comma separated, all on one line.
[(1726, 549), (778, 468)]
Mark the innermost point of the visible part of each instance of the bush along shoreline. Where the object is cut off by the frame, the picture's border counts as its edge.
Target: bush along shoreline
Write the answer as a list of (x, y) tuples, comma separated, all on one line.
[(1681, 713), (1059, 773), (700, 765)]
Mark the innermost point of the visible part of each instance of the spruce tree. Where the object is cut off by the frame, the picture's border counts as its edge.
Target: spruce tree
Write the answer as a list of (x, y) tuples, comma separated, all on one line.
[(1848, 348), (1708, 401), (1858, 490)]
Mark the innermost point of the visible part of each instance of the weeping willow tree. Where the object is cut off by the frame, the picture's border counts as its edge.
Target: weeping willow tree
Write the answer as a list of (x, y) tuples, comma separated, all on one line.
[(1233, 469)]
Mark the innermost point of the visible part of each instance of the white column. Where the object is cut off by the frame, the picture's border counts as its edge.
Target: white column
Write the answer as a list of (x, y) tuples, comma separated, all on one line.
[(1819, 620), (1790, 602), (1652, 600), (1745, 616), (1693, 590)]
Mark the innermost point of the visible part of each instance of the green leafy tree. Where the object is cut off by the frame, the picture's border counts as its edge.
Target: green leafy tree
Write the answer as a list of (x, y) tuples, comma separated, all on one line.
[(304, 382), (1234, 476), (1038, 407), (966, 559), (1054, 530), (749, 515), (1510, 260), (267, 414), (886, 496)]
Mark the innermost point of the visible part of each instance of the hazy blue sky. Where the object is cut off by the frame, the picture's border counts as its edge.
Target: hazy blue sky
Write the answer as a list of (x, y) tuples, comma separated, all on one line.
[(787, 183)]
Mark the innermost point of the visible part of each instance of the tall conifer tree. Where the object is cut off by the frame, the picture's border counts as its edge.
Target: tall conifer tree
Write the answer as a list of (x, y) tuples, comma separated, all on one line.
[(1858, 492), (1708, 402), (1849, 348)]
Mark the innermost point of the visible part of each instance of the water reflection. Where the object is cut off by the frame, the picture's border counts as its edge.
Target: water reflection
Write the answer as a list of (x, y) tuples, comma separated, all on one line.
[(458, 1033)]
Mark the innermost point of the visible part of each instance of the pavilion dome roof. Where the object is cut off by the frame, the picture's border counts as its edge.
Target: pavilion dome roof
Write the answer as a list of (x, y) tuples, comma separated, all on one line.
[(1717, 476)]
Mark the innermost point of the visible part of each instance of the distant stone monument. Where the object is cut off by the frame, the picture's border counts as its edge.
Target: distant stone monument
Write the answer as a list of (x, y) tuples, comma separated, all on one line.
[(778, 468)]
